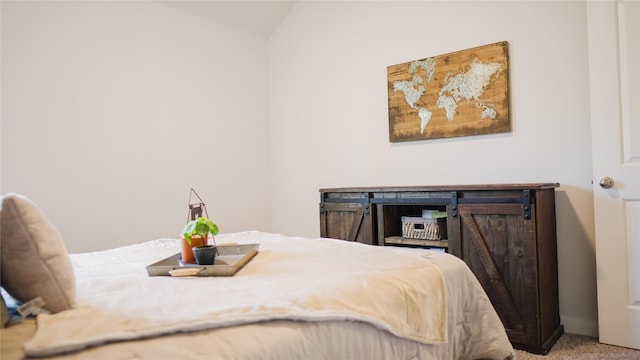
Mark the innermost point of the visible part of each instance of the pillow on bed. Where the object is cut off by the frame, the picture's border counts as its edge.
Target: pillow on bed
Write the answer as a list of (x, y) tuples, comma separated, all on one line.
[(4, 313), (33, 258)]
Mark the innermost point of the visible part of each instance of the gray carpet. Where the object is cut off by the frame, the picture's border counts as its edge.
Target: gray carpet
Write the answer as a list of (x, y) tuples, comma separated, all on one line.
[(571, 346)]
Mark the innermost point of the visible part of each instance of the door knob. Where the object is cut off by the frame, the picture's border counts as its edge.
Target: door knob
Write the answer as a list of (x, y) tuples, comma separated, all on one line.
[(606, 182)]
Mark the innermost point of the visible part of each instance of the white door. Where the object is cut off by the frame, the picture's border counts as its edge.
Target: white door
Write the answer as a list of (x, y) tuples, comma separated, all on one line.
[(614, 70)]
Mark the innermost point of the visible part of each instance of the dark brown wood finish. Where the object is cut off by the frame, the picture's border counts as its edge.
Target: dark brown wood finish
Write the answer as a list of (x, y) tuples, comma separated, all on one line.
[(505, 233), (349, 217)]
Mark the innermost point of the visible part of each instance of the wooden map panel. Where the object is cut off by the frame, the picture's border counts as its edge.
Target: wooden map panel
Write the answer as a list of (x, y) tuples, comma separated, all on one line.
[(458, 94)]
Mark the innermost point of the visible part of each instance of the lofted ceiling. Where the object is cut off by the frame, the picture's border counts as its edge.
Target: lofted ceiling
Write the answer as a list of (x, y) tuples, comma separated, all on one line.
[(258, 17)]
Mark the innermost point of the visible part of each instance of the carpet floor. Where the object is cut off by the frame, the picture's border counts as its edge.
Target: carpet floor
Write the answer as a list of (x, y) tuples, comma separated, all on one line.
[(571, 346)]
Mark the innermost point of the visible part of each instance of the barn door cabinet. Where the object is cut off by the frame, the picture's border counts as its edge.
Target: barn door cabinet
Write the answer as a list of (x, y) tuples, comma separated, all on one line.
[(505, 233)]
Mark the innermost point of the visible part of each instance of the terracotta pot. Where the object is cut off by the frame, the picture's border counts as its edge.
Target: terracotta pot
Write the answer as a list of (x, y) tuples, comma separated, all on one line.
[(187, 250)]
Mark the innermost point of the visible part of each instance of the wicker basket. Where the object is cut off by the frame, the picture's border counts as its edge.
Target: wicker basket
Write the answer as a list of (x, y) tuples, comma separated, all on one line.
[(426, 229)]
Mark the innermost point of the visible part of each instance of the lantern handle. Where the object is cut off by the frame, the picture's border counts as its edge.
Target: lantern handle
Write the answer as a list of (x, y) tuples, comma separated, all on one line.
[(195, 210)]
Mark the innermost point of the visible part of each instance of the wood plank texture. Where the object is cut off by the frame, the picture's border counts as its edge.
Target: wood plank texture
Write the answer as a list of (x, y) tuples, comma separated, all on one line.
[(346, 221), (457, 94), (500, 251)]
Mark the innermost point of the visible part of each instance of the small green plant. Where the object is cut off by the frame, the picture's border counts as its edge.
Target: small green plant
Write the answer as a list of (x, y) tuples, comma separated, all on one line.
[(201, 226)]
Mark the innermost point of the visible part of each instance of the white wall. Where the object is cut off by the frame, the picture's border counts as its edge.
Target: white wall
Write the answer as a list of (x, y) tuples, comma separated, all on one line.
[(329, 123), (96, 97), (111, 111)]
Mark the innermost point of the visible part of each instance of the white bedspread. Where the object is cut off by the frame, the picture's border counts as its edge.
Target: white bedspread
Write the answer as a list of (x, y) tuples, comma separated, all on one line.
[(394, 289)]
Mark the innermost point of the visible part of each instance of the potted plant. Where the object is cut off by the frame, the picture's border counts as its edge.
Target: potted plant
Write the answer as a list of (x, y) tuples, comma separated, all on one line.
[(194, 234)]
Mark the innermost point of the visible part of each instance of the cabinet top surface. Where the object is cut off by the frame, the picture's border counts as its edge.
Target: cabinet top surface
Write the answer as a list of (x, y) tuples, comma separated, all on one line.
[(475, 187)]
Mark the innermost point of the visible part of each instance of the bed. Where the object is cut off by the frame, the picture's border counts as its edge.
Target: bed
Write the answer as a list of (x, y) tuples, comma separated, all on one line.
[(298, 298)]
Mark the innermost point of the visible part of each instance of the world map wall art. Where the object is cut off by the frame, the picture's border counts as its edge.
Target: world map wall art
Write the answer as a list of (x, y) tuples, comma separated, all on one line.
[(458, 94)]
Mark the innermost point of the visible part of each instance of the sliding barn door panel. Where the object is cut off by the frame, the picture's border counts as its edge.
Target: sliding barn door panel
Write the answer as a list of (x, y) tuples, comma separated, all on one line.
[(498, 246), (347, 217)]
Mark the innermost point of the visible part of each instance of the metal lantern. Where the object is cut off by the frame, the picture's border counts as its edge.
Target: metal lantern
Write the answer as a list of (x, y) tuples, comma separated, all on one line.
[(196, 209)]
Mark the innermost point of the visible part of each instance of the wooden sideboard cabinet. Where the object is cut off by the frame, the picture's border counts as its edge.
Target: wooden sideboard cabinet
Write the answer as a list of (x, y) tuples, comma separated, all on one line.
[(505, 233)]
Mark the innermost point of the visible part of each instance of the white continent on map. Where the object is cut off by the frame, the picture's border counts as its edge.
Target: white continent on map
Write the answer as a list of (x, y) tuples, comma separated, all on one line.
[(469, 85), (425, 116), (413, 90), (428, 65)]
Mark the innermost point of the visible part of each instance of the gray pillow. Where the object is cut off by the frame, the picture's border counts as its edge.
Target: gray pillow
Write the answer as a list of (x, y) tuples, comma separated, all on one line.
[(33, 257)]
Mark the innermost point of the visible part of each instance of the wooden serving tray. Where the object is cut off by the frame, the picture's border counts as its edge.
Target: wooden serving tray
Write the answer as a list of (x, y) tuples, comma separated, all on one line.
[(230, 259)]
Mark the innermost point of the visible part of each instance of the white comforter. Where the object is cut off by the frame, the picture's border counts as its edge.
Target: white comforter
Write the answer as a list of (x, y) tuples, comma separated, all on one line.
[(393, 290)]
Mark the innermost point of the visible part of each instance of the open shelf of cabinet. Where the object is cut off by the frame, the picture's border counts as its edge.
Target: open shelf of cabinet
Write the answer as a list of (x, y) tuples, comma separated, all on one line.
[(403, 241), (389, 222)]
